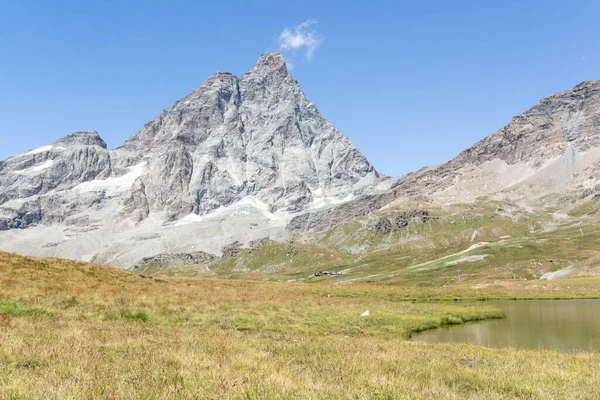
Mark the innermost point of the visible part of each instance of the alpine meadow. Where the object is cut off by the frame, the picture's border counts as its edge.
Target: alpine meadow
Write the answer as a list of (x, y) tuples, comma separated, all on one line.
[(240, 246)]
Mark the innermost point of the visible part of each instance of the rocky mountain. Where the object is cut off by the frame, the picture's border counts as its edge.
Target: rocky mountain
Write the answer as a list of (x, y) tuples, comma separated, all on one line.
[(551, 149), (231, 138), (29, 181), (249, 158), (250, 150), (554, 147)]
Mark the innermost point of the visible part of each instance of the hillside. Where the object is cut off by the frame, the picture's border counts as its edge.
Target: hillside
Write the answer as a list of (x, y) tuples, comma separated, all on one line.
[(424, 244), (77, 330)]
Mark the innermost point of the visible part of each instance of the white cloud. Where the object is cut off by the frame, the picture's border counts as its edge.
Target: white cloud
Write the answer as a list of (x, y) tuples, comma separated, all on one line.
[(303, 36)]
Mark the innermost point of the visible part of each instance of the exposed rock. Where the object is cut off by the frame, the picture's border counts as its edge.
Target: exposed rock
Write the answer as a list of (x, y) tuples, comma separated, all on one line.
[(170, 260), (401, 220), (545, 149), (326, 273), (255, 244), (292, 253), (87, 138), (322, 220), (240, 159), (231, 250), (68, 162), (383, 226), (233, 137)]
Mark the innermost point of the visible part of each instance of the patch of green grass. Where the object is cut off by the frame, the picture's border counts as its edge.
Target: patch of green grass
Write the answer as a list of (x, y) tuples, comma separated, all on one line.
[(128, 315), (588, 207), (534, 241), (277, 260), (15, 309)]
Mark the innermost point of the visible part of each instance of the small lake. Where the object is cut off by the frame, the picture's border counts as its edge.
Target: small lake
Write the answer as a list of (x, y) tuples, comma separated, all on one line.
[(563, 325)]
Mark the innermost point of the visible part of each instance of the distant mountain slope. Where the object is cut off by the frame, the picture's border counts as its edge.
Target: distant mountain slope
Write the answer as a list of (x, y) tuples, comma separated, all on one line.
[(549, 152), (551, 148)]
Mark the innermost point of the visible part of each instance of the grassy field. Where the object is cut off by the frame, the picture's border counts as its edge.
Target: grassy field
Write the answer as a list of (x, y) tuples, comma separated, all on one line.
[(72, 330)]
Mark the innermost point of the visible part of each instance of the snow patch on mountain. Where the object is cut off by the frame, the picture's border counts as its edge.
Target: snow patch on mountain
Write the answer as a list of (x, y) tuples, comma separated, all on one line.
[(39, 150), (249, 206), (37, 168), (114, 185)]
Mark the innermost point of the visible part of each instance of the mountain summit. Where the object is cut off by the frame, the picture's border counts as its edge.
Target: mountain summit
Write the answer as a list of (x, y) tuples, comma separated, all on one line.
[(233, 137)]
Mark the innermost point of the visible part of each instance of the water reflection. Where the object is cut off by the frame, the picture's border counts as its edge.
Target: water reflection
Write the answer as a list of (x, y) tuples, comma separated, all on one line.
[(564, 325)]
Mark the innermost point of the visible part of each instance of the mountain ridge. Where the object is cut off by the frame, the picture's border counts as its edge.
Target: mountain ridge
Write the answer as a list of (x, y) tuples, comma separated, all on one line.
[(241, 159)]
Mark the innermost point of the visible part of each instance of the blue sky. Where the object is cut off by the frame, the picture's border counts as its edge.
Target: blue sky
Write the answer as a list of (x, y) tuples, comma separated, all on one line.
[(410, 83)]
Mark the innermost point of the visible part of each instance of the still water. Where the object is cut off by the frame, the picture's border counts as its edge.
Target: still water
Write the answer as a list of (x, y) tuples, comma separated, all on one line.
[(563, 325)]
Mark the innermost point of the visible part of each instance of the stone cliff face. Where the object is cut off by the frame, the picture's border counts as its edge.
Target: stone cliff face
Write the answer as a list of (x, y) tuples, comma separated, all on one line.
[(230, 138), (257, 135)]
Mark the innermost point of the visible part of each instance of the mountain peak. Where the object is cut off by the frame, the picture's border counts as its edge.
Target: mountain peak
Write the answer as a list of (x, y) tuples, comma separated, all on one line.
[(587, 87), (85, 138), (270, 63), (586, 84)]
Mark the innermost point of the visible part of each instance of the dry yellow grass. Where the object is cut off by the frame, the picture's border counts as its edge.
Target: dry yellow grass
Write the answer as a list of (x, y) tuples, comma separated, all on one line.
[(76, 331)]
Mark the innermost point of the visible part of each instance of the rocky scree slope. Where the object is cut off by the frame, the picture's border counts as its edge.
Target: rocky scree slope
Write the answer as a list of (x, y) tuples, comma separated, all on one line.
[(554, 147)]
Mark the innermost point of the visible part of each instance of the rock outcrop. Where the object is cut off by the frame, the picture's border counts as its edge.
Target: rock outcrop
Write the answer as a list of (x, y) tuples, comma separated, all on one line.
[(398, 221), (169, 260), (233, 137)]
